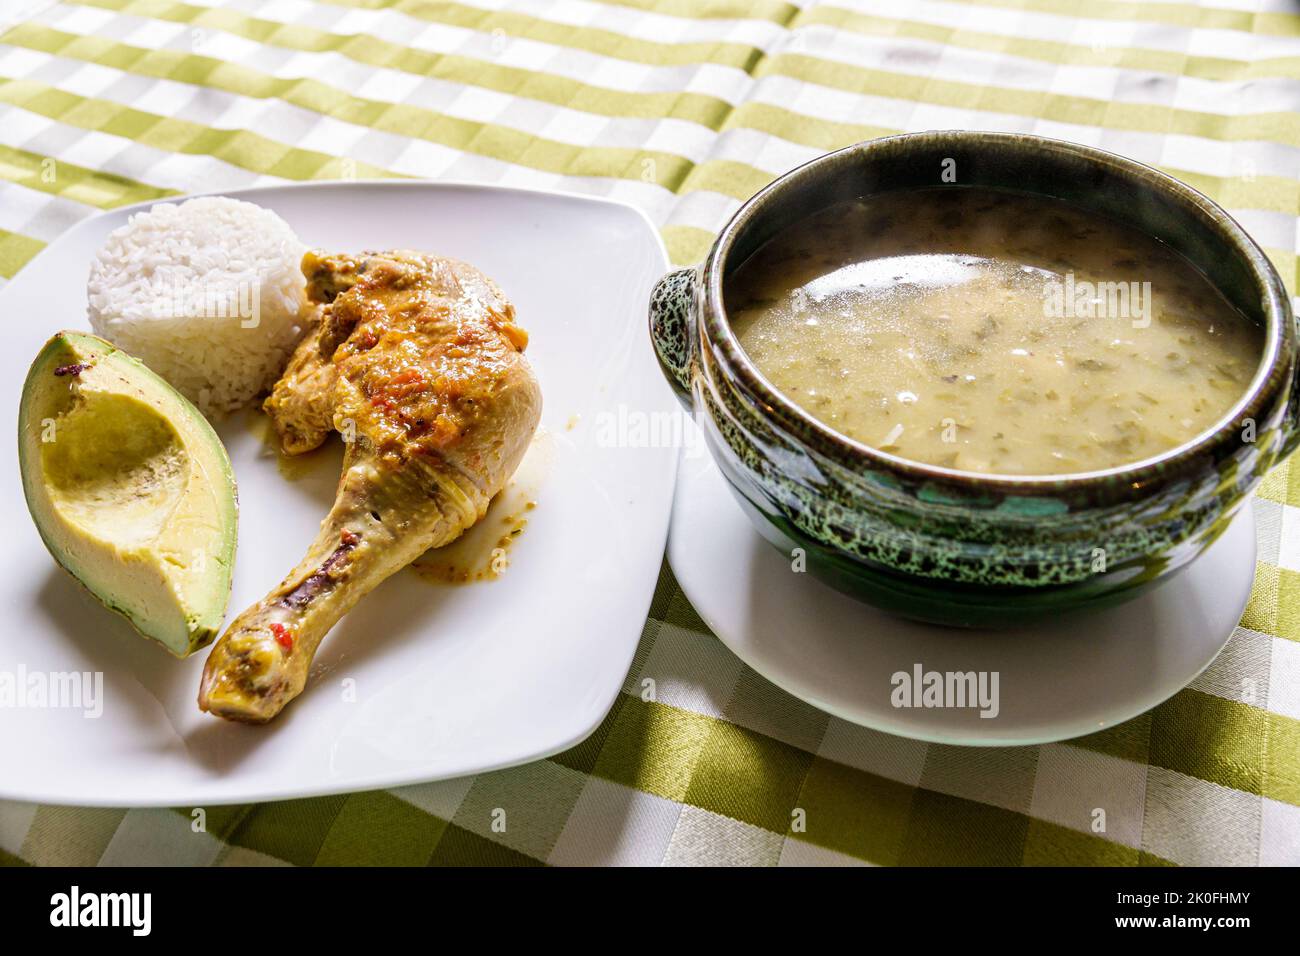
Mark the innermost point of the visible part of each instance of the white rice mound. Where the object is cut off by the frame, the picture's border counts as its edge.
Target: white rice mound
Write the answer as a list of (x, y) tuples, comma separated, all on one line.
[(207, 293)]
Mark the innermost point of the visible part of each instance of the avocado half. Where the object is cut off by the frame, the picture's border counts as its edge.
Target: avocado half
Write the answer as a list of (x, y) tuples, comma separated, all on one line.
[(130, 488)]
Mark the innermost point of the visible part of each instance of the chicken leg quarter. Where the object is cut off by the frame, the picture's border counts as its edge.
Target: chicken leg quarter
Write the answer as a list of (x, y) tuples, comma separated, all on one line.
[(418, 362)]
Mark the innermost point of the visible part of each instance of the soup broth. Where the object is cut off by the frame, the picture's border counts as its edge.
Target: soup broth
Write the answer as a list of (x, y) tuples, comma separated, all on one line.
[(990, 331)]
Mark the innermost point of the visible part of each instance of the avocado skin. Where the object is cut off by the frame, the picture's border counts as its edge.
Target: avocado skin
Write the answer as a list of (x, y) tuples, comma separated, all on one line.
[(179, 604)]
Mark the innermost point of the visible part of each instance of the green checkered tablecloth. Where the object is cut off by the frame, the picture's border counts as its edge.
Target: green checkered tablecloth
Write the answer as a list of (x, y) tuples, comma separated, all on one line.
[(685, 109)]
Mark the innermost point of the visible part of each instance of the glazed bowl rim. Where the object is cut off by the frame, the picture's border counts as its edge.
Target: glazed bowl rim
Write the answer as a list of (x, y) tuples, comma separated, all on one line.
[(718, 334)]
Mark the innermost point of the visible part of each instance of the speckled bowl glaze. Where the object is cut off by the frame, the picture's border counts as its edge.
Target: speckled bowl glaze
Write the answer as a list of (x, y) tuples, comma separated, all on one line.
[(954, 547)]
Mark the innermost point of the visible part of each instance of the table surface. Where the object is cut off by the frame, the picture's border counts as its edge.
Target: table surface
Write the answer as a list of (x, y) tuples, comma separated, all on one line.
[(685, 109)]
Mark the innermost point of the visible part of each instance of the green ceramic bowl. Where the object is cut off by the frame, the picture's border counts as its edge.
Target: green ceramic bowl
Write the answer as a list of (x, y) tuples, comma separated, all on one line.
[(954, 547)]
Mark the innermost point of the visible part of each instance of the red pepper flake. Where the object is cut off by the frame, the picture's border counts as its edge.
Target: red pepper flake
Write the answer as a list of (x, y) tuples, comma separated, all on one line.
[(350, 539), (283, 636)]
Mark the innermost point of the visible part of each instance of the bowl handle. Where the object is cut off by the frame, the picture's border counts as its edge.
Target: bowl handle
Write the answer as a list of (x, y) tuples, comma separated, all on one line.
[(672, 329), (1291, 421), (1289, 432)]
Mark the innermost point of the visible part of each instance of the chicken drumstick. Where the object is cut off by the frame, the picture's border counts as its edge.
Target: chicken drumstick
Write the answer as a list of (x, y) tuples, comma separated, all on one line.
[(418, 362)]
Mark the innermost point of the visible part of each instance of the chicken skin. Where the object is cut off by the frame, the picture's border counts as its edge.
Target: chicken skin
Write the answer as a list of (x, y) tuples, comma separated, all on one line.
[(418, 362)]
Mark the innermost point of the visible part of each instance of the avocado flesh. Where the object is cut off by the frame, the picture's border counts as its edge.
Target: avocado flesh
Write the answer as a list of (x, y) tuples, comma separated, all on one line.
[(130, 488)]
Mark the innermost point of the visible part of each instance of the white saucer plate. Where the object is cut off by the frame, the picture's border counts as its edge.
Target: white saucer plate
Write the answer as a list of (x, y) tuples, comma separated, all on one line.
[(1061, 679), (421, 681)]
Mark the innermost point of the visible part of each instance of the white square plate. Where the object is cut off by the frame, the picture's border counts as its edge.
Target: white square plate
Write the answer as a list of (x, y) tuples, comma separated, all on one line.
[(447, 680)]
